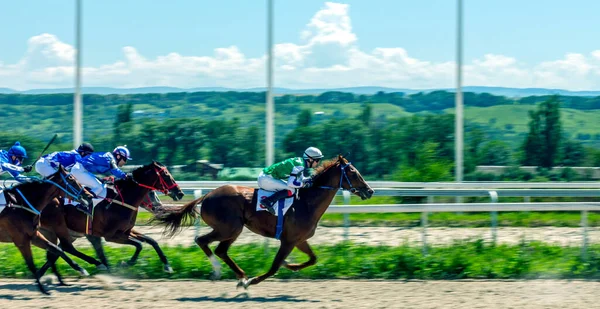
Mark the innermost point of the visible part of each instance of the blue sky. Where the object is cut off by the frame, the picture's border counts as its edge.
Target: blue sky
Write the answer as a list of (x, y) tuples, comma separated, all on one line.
[(404, 44)]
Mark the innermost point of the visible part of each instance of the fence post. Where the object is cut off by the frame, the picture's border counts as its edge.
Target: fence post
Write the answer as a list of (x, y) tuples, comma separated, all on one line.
[(424, 221), (584, 214), (494, 199), (346, 216), (197, 195)]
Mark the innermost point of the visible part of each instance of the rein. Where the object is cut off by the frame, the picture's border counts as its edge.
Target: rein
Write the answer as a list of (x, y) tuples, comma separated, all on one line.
[(164, 189), (65, 190)]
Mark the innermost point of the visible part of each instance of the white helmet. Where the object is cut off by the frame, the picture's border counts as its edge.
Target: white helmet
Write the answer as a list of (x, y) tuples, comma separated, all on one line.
[(312, 153)]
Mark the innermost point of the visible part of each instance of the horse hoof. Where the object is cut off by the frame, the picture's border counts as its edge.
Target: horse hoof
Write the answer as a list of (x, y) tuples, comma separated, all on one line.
[(244, 283), (215, 276), (84, 273), (43, 290), (62, 283), (168, 269), (102, 267)]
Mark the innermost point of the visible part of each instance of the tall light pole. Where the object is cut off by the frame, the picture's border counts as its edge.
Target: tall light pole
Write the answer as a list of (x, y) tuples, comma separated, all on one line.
[(77, 108), (270, 108), (458, 125)]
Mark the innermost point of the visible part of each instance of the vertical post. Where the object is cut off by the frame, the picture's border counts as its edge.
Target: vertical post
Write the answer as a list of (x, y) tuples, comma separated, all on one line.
[(494, 199), (270, 156), (424, 222), (424, 217), (584, 244), (198, 194), (346, 216), (458, 125), (77, 108)]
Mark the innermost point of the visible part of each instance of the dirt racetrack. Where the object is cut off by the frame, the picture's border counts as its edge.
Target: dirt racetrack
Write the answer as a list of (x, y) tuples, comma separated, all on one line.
[(107, 292)]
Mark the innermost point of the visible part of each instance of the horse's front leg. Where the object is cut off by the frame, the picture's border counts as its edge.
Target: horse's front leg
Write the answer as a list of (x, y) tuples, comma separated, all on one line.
[(312, 258), (284, 250), (23, 243), (40, 241), (141, 237), (97, 245)]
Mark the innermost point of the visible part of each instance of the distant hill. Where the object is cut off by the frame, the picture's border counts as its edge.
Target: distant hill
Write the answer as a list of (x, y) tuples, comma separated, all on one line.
[(502, 91)]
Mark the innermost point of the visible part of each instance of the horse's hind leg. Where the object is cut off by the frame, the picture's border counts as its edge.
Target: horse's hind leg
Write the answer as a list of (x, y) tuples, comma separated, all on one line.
[(284, 251), (221, 250), (312, 258)]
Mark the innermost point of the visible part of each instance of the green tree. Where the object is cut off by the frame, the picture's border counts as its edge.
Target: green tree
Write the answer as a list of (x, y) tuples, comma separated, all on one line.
[(366, 114), (573, 153), (495, 153), (542, 144), (304, 118), (427, 166)]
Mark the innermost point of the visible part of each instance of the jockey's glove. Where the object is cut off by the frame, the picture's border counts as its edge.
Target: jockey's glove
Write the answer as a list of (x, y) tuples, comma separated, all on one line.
[(307, 182), (27, 168)]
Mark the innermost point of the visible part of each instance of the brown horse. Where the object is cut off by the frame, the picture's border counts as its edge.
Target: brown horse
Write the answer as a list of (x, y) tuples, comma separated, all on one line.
[(114, 218), (19, 221), (229, 208)]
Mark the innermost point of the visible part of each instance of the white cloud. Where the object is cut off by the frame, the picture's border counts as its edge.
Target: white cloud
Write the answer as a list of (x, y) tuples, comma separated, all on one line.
[(327, 55)]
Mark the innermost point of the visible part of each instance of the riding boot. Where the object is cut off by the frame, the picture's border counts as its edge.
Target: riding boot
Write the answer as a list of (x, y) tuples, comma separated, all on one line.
[(268, 202)]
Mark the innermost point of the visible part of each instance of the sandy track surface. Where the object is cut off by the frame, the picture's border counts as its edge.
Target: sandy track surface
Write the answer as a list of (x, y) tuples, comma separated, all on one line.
[(111, 292)]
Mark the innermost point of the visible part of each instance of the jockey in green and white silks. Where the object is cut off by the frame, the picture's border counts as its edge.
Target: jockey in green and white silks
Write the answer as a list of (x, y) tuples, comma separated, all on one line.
[(288, 175)]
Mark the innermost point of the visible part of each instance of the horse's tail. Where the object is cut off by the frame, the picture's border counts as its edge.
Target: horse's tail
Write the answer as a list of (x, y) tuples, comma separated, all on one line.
[(177, 217)]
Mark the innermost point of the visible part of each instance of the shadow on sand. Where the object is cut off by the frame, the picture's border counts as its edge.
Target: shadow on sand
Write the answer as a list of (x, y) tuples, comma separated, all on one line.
[(244, 297)]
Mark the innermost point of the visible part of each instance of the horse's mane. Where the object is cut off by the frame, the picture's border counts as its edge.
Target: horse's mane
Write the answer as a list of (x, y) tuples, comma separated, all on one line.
[(30, 182), (326, 165)]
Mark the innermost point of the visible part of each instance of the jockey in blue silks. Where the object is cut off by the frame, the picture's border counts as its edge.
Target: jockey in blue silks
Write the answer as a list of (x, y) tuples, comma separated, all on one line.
[(85, 169), (48, 164), (10, 162)]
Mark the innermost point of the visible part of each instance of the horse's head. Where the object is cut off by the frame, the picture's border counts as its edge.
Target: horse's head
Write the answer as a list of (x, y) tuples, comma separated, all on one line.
[(156, 176), (341, 174), (68, 185)]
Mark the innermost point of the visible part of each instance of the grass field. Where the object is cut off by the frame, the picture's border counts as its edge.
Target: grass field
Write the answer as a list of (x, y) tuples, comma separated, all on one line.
[(473, 259)]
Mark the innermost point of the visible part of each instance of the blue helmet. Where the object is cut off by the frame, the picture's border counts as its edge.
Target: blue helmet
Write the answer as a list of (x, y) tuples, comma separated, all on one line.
[(123, 151), (18, 151)]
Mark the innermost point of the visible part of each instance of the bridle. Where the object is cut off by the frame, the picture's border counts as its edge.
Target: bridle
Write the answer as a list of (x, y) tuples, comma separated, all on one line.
[(164, 187), (342, 177)]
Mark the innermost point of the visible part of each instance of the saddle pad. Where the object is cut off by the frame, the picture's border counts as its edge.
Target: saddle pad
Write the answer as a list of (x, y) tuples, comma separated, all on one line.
[(264, 193)]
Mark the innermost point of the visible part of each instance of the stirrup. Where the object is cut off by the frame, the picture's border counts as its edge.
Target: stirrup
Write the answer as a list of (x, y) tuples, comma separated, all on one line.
[(269, 207)]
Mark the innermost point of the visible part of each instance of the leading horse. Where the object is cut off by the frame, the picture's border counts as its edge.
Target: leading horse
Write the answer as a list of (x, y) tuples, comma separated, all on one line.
[(20, 219), (114, 218), (229, 208)]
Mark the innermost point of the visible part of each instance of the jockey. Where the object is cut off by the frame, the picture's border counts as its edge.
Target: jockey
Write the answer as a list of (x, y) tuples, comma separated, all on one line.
[(48, 164), (10, 162), (101, 163), (286, 176)]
